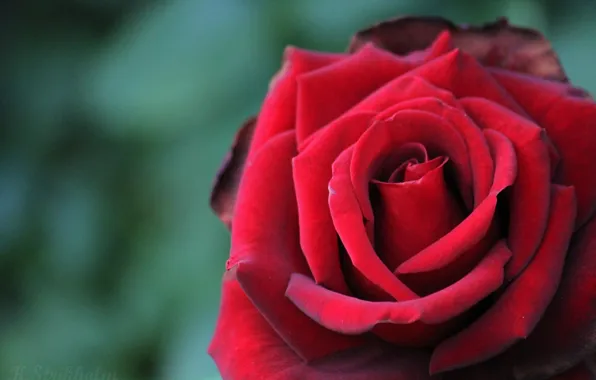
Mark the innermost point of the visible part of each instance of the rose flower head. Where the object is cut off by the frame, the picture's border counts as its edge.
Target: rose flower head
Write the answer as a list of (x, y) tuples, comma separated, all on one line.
[(420, 207)]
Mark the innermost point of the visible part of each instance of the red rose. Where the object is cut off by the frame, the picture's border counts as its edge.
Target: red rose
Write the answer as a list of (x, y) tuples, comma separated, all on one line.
[(419, 208)]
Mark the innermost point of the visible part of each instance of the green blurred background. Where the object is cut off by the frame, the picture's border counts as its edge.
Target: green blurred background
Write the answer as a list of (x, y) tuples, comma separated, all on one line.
[(114, 116)]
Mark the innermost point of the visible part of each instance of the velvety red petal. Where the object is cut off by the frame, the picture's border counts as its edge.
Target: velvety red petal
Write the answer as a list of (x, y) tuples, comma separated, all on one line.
[(481, 161), (570, 121), (312, 172), (323, 95), (469, 232), (348, 222), (530, 194), (409, 216), (518, 310), (225, 188), (278, 112), (245, 347), (265, 247), (461, 74), (388, 98), (345, 314), (350, 315)]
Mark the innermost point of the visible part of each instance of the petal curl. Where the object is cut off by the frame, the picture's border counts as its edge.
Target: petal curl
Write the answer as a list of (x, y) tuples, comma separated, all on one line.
[(348, 222), (312, 172), (348, 315)]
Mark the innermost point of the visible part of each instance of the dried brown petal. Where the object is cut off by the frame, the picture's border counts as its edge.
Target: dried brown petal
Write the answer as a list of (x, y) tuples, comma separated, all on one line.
[(225, 187), (495, 44)]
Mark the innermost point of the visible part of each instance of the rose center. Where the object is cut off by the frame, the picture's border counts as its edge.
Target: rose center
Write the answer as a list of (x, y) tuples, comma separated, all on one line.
[(413, 206)]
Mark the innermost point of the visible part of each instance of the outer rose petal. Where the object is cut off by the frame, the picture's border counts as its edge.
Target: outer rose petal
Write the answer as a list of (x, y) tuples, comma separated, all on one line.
[(530, 196), (266, 250), (325, 94), (403, 89), (225, 188), (347, 219), (278, 112), (495, 44), (569, 118), (245, 347), (461, 74), (312, 172)]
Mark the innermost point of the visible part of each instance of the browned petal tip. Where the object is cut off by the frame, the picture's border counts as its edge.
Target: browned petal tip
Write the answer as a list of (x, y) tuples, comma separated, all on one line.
[(498, 43), (227, 180)]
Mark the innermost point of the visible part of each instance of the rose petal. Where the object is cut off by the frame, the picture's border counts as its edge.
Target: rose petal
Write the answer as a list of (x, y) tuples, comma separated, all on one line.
[(416, 171), (325, 94), (245, 347), (530, 193), (347, 219), (348, 315), (469, 232), (496, 43), (461, 74), (312, 172), (266, 249), (481, 161), (417, 153), (388, 99), (345, 314), (518, 310), (278, 112), (570, 121), (225, 188)]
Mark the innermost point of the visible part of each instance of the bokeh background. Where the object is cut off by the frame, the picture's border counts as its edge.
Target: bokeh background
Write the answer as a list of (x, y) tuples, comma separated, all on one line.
[(114, 116)]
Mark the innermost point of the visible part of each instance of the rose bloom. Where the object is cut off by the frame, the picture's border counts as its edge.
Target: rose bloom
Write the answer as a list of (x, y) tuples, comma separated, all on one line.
[(421, 207)]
